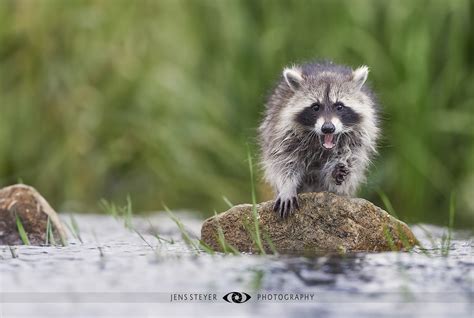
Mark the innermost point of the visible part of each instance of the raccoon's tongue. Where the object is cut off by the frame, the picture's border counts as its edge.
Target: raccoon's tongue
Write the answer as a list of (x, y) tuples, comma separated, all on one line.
[(328, 144)]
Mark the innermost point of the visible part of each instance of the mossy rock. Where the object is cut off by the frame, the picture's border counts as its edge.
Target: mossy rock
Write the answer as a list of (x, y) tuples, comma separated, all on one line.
[(325, 222)]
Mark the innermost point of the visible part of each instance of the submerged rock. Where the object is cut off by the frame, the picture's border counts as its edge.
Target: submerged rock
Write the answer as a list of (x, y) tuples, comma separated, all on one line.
[(33, 211), (325, 222)]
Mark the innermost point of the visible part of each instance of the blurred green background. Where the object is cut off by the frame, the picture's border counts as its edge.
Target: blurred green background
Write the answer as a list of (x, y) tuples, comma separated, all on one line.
[(159, 99)]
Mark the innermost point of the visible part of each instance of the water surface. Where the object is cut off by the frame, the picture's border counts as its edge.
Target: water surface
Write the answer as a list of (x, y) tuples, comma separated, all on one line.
[(117, 272)]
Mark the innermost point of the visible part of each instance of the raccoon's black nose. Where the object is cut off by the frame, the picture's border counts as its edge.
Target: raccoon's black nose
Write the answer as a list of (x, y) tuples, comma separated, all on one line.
[(328, 128)]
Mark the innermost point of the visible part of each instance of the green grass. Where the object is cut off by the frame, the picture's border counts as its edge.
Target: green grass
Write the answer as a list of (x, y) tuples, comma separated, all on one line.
[(146, 242), (389, 238), (255, 227), (49, 235), (401, 234), (225, 246), (124, 212), (445, 243), (429, 236), (446, 239), (158, 98), (387, 203), (270, 244), (74, 228), (21, 230), (48, 230), (193, 243), (252, 225), (160, 238), (227, 201)]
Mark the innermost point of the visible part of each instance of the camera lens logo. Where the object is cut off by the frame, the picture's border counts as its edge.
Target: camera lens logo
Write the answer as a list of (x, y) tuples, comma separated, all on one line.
[(236, 297)]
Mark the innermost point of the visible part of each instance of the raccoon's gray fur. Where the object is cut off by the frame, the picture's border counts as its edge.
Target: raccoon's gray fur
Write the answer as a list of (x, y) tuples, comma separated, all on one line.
[(319, 132)]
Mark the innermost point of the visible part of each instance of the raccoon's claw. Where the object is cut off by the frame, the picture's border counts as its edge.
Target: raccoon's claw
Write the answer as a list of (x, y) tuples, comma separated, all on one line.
[(340, 172), (285, 207)]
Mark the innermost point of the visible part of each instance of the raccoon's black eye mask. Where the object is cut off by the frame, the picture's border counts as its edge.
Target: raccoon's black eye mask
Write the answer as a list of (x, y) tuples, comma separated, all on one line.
[(309, 115)]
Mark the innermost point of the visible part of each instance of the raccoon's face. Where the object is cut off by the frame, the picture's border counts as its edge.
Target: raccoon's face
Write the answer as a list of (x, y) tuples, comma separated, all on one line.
[(328, 104)]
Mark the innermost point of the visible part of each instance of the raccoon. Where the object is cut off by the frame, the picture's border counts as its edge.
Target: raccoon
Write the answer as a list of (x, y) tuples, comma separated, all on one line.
[(319, 132)]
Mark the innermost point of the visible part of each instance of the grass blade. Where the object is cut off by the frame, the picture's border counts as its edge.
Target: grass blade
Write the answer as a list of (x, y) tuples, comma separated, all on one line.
[(229, 204), (21, 231), (48, 229), (386, 201), (255, 216), (75, 228), (446, 240), (184, 233)]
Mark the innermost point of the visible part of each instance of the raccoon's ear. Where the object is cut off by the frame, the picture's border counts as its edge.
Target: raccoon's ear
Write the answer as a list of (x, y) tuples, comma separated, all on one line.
[(359, 76), (293, 77)]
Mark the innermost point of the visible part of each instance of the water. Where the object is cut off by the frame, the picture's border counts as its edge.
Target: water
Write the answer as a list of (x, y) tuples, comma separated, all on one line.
[(115, 273)]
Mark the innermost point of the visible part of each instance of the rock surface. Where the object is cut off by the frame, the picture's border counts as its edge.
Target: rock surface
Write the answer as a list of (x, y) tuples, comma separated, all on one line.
[(325, 222), (33, 211)]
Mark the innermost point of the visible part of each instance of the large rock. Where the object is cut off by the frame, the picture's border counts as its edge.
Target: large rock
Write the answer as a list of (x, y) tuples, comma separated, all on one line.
[(33, 210), (325, 222)]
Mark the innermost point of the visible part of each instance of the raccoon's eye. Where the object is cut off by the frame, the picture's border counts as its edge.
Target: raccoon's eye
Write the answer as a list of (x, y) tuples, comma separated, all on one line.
[(316, 106), (339, 106)]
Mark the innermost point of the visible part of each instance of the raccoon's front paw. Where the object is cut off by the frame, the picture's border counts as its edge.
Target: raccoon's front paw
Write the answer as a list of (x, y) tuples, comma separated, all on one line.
[(285, 206), (340, 172)]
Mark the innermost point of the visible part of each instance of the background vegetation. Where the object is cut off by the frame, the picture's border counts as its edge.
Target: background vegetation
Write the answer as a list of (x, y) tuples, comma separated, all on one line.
[(158, 99)]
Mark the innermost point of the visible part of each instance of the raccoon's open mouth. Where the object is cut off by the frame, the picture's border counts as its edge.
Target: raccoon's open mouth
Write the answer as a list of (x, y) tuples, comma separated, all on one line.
[(328, 141)]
